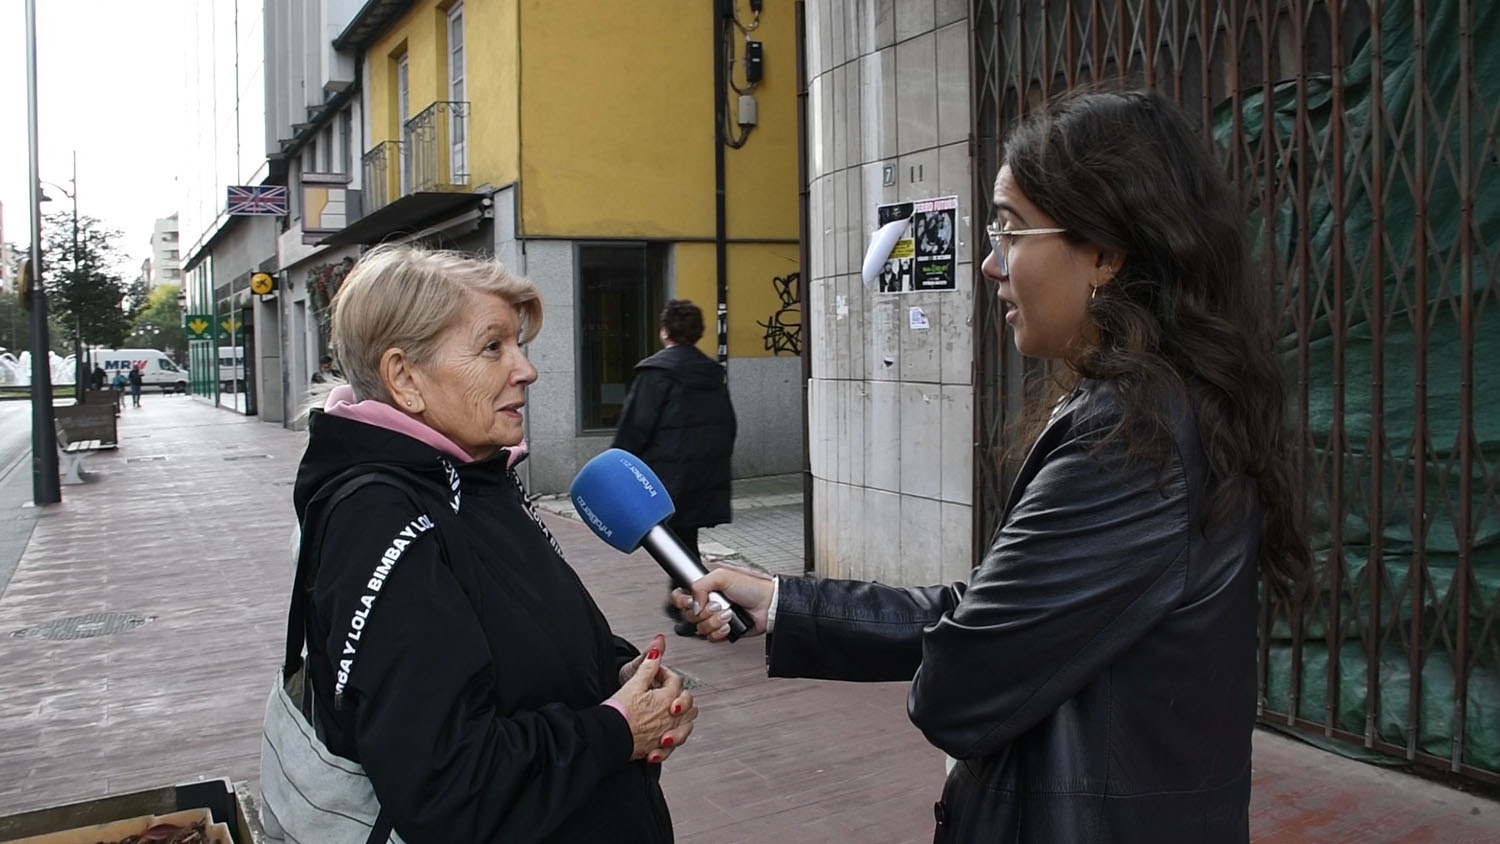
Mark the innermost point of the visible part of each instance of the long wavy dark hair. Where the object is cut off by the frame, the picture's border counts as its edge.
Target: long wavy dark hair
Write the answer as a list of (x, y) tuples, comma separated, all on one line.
[(1124, 171)]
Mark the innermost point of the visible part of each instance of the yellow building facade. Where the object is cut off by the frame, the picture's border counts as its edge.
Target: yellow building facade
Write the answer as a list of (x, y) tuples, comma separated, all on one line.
[(576, 142)]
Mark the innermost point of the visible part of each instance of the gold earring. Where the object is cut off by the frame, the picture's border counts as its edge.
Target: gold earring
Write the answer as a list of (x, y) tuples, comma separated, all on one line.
[(1094, 295)]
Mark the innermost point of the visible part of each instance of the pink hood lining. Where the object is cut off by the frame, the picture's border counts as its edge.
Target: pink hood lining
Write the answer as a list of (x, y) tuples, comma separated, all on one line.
[(341, 403)]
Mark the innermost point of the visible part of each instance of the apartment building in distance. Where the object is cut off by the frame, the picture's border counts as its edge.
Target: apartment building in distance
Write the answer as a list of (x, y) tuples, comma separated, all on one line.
[(166, 258)]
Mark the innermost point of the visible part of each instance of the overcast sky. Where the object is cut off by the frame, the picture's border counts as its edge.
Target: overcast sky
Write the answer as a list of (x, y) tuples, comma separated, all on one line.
[(109, 85)]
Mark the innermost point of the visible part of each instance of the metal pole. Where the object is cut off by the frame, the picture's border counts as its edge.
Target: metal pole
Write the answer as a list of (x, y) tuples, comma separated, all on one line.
[(723, 13), (78, 370), (45, 488), (804, 262)]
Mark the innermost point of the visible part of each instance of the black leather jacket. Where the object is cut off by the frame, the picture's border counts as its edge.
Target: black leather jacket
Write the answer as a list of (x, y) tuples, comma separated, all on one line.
[(1095, 677)]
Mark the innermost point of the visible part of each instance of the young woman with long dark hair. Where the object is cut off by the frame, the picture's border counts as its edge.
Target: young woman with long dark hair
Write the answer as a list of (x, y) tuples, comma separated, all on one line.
[(1094, 679)]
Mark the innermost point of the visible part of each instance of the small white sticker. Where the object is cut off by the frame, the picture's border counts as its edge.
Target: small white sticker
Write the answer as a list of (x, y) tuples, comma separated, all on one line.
[(918, 318), (841, 306)]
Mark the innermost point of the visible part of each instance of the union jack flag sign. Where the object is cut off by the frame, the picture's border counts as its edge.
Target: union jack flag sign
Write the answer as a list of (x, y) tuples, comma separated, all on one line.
[(257, 199)]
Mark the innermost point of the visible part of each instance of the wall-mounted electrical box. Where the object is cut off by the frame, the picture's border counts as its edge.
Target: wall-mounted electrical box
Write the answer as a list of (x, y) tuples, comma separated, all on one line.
[(752, 61)]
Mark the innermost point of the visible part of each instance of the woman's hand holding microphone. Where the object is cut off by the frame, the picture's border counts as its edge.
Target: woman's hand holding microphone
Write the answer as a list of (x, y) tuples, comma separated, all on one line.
[(751, 590)]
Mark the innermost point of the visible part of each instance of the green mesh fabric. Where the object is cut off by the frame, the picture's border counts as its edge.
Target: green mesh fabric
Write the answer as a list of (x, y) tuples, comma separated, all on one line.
[(1421, 122)]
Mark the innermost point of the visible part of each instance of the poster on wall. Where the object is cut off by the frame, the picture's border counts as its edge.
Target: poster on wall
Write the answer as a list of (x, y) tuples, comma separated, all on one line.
[(925, 256)]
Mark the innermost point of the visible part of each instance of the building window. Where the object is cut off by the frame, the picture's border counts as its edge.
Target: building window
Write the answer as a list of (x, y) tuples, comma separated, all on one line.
[(325, 151), (458, 164), (403, 90), (403, 111), (621, 289), (346, 142)]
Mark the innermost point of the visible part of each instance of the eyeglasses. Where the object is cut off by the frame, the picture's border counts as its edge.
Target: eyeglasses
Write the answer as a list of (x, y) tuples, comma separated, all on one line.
[(1001, 247)]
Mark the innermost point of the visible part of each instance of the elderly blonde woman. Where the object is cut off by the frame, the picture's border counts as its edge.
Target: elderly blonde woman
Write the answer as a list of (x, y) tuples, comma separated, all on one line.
[(450, 650)]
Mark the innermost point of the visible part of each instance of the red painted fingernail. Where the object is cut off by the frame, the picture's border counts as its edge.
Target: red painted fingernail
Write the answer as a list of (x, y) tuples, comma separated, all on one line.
[(654, 758), (653, 653), (666, 741), (676, 709)]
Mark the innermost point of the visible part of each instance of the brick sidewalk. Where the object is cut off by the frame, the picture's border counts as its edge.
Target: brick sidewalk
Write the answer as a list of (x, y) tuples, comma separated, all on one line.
[(180, 546)]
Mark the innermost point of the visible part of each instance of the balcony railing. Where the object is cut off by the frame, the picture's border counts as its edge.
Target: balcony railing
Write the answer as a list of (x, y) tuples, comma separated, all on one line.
[(383, 175), (436, 142)]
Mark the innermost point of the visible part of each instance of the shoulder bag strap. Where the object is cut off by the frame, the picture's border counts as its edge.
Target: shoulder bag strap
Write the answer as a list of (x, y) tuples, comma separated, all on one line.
[(309, 547), (322, 503), (381, 833)]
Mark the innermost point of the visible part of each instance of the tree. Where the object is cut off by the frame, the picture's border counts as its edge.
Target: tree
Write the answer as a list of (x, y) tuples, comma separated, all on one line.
[(15, 325), (15, 321), (87, 294), (159, 323)]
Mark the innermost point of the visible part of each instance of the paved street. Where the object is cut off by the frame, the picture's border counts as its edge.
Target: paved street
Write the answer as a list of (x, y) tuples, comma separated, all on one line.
[(16, 515), (143, 622)]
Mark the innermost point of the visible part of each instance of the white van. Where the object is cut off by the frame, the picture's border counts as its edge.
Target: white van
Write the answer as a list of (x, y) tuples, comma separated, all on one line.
[(231, 368), (157, 370)]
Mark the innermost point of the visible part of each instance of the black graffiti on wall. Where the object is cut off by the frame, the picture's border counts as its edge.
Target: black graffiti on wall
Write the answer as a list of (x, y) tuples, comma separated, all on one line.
[(784, 328)]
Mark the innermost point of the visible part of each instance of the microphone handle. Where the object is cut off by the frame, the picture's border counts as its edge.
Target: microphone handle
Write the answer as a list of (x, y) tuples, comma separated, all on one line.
[(667, 549)]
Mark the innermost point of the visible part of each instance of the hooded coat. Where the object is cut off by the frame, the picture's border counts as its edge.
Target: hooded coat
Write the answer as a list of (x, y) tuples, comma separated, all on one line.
[(678, 418), (469, 680)]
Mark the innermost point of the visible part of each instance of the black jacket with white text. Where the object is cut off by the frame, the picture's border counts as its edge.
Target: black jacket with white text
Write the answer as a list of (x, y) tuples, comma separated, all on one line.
[(468, 660)]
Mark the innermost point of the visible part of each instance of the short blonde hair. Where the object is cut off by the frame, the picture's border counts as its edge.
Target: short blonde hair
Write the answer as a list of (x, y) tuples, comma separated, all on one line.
[(405, 297)]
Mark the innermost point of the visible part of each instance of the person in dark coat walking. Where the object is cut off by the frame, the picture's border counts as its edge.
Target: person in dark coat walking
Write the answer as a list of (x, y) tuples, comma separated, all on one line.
[(135, 386), (679, 419)]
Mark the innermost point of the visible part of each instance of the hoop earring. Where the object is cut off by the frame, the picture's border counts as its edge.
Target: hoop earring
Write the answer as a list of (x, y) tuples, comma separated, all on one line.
[(1092, 296)]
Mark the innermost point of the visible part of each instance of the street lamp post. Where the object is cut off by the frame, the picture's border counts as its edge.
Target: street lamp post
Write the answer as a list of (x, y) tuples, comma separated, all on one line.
[(45, 485), (79, 371)]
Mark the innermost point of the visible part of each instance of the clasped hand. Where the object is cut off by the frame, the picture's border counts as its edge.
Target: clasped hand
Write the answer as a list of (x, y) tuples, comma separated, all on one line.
[(661, 711)]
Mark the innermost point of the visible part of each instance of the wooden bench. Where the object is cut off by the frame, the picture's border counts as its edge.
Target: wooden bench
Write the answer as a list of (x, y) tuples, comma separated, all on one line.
[(110, 398), (72, 453), (91, 421)]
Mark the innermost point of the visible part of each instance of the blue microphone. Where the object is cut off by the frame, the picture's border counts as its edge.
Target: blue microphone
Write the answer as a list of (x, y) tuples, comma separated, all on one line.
[(625, 504)]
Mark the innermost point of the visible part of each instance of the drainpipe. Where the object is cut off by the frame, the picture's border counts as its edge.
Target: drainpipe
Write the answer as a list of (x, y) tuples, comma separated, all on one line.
[(804, 259), (722, 13), (521, 270)]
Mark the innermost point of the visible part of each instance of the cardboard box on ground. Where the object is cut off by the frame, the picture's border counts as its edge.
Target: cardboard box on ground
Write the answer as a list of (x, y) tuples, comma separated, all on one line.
[(164, 829), (229, 811)]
